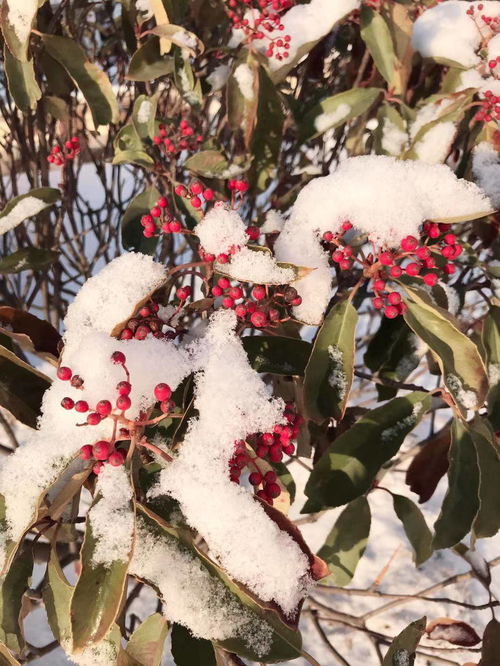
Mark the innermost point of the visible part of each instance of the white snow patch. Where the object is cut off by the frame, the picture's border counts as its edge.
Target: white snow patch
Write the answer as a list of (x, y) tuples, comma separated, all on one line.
[(218, 78), (467, 399), (274, 222), (245, 79), (254, 266), (27, 207), (337, 377), (486, 171), (20, 16), (325, 121), (220, 230), (394, 139), (144, 113)]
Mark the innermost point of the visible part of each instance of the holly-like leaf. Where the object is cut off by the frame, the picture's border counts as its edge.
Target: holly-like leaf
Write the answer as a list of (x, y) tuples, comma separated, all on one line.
[(461, 503), (346, 543), (337, 110), (456, 632), (490, 654), (28, 259), (403, 647), (188, 650), (27, 205), (429, 465), (92, 81), (21, 81), (463, 370), (415, 527), (144, 115), (29, 331), (16, 21), (21, 387), (208, 163), (404, 356), (349, 466), (277, 355), (147, 63), (243, 95), (132, 237), (146, 644), (330, 370)]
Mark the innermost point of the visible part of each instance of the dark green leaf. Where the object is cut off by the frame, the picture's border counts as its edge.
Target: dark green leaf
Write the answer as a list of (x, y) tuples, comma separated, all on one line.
[(491, 343), (37, 334), (349, 466), (403, 647), (404, 356), (21, 388), (347, 541), (186, 82), (133, 239), (31, 258), (379, 348), (277, 355), (22, 83), (459, 359), (190, 651), (92, 81), (13, 586), (147, 642), (18, 209), (415, 527), (490, 654), (207, 163), (461, 503), (487, 521), (57, 593), (147, 64), (330, 370)]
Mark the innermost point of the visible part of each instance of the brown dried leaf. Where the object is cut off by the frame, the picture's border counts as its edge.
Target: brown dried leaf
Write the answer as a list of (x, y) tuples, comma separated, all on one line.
[(452, 631), (429, 465)]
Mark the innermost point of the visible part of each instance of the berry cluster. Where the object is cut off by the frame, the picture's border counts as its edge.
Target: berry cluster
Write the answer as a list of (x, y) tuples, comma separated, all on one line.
[(434, 254), (160, 219), (260, 19), (493, 22), (490, 107), (262, 309), (109, 451), (194, 193), (181, 138), (270, 446), (145, 322), (70, 151)]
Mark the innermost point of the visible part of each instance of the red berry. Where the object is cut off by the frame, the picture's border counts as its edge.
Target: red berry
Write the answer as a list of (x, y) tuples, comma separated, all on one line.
[(345, 264), (97, 468), (223, 282), (253, 232), (155, 211), (180, 190), (175, 226), (394, 298), (273, 490), (101, 450), (119, 358), (196, 202), (142, 332), (208, 194), (385, 258), (167, 406), (450, 239), (81, 406), (103, 407), (412, 269), (423, 252), (258, 319), (227, 302), (123, 388), (93, 418), (67, 403), (378, 303), (328, 236), (117, 458), (236, 293), (270, 476), (196, 188), (216, 291), (379, 285), (86, 452), (275, 453), (241, 311), (162, 392), (255, 478), (409, 243), (123, 402), (259, 293), (183, 293), (430, 279), (395, 271), (449, 269), (222, 258), (242, 185), (64, 373), (391, 311), (162, 202), (337, 256), (346, 226)]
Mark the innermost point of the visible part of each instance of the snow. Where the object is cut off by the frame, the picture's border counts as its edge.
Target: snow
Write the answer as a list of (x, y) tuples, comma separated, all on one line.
[(486, 171), (254, 266), (383, 197), (245, 78), (191, 595), (394, 139), (145, 7), (337, 377), (232, 402), (446, 31), (274, 222), (220, 230), (324, 121), (20, 17), (473, 79), (435, 143), (467, 399), (494, 47), (144, 113), (26, 207), (101, 654), (184, 39), (112, 517), (218, 78)]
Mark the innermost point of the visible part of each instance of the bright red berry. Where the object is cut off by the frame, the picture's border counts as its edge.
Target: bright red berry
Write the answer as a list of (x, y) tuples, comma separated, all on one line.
[(123, 403), (259, 293), (196, 188), (117, 458), (395, 271), (208, 194), (101, 450), (385, 258), (378, 303), (409, 243), (162, 392), (97, 468), (391, 312), (412, 269), (273, 490), (255, 478), (86, 452), (119, 358), (430, 279), (64, 373), (196, 202), (180, 190), (123, 388), (394, 298), (67, 403), (103, 407), (93, 418), (81, 406), (258, 319)]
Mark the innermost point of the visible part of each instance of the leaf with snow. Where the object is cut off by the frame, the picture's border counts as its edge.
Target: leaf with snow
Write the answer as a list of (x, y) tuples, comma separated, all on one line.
[(346, 543), (17, 21), (147, 64), (330, 370), (27, 205), (401, 651), (144, 115), (453, 631), (463, 370), (30, 258), (350, 464), (243, 95), (179, 36)]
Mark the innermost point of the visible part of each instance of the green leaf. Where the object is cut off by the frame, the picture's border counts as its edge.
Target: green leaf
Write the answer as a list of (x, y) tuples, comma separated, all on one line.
[(490, 654), (461, 503), (380, 346), (29, 331), (404, 356), (21, 388), (349, 466), (208, 163), (27, 205), (330, 370), (144, 115), (18, 45), (347, 541), (186, 82), (458, 357), (133, 240), (31, 258), (13, 586), (57, 593), (98, 593), (487, 520), (92, 81), (243, 99), (147, 642), (179, 36), (403, 647), (147, 63), (337, 110), (377, 37), (139, 157), (188, 650), (415, 527), (491, 343), (277, 355), (22, 83)]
